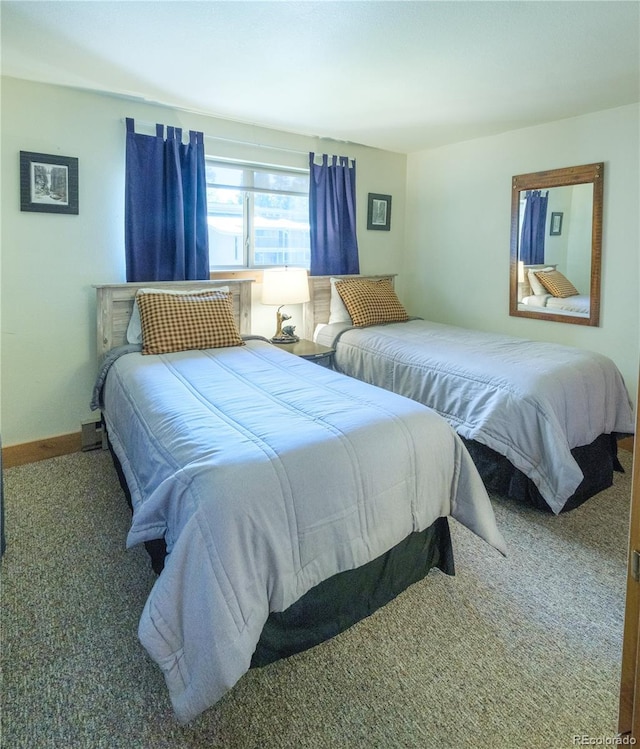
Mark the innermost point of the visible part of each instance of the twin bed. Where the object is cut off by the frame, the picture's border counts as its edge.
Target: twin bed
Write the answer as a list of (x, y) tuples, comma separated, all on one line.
[(578, 305), (286, 494), (532, 293), (281, 501), (539, 419)]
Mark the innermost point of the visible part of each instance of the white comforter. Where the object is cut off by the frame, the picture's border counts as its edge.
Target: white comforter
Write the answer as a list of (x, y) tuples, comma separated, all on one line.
[(578, 304), (267, 474), (532, 402)]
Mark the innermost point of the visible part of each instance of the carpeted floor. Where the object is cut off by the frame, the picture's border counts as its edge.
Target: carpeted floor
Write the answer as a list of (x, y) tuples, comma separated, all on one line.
[(515, 652)]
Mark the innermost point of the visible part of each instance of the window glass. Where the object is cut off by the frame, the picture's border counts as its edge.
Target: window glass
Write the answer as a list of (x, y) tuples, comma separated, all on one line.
[(220, 175), (225, 218), (281, 230), (282, 181), (264, 222)]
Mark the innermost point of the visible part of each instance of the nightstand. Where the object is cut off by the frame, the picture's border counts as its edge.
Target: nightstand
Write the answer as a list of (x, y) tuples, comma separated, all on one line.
[(322, 355)]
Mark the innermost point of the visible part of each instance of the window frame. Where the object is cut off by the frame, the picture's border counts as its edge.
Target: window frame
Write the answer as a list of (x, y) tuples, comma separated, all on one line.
[(248, 190)]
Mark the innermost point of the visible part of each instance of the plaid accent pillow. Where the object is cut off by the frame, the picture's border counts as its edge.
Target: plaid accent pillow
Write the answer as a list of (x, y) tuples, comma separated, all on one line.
[(555, 283), (134, 328), (536, 286), (370, 302), (182, 322)]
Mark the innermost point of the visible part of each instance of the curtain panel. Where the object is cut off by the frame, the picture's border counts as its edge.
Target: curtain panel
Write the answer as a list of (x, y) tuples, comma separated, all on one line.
[(533, 227), (166, 234), (332, 216)]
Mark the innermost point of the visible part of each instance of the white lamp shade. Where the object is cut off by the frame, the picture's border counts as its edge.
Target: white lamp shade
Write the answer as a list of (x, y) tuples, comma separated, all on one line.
[(285, 286)]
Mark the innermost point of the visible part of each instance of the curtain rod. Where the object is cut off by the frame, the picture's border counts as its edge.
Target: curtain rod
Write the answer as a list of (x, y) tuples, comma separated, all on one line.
[(246, 142), (230, 140)]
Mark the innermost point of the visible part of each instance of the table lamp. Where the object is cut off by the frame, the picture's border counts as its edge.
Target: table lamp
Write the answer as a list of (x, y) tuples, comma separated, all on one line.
[(284, 286)]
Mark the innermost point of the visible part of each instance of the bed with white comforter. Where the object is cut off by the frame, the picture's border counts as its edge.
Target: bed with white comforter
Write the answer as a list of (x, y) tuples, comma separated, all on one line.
[(266, 474), (577, 304), (530, 401)]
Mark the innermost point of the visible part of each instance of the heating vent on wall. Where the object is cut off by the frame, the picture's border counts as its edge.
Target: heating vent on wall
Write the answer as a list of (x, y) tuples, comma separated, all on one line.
[(92, 435)]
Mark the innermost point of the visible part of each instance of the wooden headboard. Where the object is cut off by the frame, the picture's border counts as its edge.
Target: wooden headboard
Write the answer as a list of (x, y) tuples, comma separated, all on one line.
[(115, 304), (316, 311)]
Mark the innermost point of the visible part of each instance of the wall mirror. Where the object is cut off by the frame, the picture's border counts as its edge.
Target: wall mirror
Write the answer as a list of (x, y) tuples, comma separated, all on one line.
[(556, 244)]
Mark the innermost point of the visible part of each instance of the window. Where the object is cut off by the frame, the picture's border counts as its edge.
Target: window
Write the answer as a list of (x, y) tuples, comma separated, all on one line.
[(257, 216)]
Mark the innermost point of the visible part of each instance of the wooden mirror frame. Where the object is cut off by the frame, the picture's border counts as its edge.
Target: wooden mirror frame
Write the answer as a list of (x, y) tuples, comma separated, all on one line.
[(573, 175)]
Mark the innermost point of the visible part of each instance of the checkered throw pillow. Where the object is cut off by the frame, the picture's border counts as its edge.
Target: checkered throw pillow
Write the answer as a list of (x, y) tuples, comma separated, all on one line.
[(555, 283), (370, 302), (179, 323)]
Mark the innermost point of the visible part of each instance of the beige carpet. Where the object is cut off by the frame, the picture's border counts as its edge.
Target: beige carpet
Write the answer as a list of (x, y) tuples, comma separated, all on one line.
[(516, 652)]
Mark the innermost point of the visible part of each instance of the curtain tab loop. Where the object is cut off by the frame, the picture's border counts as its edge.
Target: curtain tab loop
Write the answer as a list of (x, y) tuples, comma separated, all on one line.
[(130, 124)]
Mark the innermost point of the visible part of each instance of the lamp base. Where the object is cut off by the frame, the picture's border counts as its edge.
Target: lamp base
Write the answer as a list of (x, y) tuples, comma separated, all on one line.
[(285, 339)]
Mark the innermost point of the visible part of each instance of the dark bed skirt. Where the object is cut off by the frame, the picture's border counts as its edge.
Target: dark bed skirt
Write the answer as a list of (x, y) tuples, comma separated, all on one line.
[(597, 462), (338, 603), (344, 599)]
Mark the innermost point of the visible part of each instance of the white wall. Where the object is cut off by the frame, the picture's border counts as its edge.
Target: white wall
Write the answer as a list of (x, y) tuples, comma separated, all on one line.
[(456, 264), (49, 262), (452, 255)]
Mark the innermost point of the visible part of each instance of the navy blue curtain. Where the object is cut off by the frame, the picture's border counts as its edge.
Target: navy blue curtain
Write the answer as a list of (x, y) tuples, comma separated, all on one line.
[(166, 236), (332, 216), (533, 224)]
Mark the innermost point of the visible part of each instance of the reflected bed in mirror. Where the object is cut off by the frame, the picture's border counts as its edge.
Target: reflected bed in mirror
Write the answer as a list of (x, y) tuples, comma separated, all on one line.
[(556, 244)]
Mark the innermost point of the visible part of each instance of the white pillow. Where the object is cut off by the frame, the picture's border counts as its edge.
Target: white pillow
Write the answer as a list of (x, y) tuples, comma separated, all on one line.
[(537, 288), (337, 310), (316, 332), (134, 329)]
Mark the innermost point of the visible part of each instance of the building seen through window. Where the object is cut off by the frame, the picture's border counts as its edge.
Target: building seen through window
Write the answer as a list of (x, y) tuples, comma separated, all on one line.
[(257, 216)]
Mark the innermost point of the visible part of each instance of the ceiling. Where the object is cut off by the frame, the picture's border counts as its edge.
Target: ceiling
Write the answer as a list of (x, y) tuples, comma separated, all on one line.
[(402, 76)]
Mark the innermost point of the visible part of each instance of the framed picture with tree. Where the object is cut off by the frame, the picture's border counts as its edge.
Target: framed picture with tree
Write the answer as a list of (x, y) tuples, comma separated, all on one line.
[(379, 212), (48, 184)]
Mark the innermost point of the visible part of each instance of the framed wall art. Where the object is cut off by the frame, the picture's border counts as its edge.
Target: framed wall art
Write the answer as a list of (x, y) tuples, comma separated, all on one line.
[(555, 228), (48, 184), (379, 212)]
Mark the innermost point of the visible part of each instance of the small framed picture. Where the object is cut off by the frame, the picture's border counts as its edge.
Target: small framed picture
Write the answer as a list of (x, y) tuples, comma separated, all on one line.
[(48, 184), (379, 212), (555, 228)]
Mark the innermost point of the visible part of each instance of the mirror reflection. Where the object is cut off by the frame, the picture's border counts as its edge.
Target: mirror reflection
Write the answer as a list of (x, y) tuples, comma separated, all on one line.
[(556, 244)]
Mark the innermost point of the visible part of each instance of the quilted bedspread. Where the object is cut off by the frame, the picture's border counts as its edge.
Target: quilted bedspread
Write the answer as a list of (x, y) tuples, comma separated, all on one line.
[(267, 474), (531, 401)]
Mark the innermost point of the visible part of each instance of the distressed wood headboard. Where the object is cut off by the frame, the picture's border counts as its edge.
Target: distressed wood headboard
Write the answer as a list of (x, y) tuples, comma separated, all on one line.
[(115, 304), (316, 310)]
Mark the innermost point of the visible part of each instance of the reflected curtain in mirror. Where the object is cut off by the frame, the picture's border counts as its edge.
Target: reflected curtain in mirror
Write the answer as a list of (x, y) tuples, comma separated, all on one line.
[(533, 226)]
